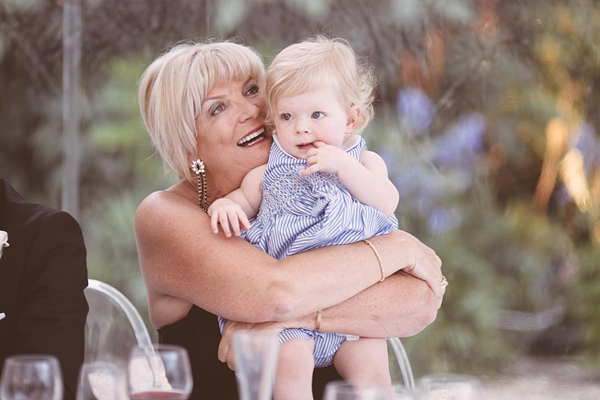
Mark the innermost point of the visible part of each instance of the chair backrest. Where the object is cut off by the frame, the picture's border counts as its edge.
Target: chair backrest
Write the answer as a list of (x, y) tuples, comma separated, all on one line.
[(113, 324), (402, 366), (112, 328)]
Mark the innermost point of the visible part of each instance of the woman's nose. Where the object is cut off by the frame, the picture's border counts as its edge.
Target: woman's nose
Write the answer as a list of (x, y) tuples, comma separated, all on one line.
[(251, 110)]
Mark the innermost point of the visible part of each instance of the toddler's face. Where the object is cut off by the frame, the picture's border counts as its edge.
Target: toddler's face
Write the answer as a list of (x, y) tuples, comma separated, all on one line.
[(305, 118)]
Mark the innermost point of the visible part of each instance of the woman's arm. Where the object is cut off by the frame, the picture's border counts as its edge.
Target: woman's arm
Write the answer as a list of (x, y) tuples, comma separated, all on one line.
[(400, 306), (183, 262)]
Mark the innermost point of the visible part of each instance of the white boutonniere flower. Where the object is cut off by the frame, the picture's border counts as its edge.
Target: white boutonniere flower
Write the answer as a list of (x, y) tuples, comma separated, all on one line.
[(3, 241)]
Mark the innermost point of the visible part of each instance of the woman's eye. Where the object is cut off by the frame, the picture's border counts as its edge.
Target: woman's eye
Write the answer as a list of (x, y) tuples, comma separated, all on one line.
[(217, 109), (252, 90), (286, 116), (317, 115)]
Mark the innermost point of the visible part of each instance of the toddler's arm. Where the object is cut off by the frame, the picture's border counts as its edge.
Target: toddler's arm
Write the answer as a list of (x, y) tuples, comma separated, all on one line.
[(366, 180), (234, 209)]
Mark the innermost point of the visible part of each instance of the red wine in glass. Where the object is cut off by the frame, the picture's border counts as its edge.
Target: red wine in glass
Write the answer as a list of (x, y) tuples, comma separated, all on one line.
[(159, 395)]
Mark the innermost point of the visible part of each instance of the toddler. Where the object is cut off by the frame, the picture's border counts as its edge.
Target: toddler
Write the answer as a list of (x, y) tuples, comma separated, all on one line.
[(320, 187)]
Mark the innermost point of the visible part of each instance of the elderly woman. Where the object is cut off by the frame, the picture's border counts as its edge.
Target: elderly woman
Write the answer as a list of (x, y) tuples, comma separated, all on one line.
[(201, 104)]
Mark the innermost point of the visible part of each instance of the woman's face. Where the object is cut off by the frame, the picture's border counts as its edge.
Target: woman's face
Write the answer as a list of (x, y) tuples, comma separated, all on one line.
[(231, 135)]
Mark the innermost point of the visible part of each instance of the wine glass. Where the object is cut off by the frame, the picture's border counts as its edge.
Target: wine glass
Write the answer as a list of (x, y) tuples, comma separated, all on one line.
[(255, 355), (399, 392), (449, 387), (342, 390), (31, 377), (99, 380), (160, 372)]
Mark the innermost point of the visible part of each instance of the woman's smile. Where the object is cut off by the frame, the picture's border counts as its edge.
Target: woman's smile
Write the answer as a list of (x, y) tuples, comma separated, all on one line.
[(253, 137)]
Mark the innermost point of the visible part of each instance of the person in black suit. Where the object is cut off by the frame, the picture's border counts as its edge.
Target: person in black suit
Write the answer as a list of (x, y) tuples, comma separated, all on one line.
[(43, 273)]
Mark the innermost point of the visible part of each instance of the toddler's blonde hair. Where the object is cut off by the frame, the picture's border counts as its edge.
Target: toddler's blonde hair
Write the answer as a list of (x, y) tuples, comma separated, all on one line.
[(320, 62)]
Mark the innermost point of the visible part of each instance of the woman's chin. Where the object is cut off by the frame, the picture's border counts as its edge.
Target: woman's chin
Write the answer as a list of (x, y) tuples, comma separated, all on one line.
[(255, 154)]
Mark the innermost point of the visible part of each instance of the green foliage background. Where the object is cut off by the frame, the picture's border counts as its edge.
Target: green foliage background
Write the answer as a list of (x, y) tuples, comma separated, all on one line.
[(484, 80)]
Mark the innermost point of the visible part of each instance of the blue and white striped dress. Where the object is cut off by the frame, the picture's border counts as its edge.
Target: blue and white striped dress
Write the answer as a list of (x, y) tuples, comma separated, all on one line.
[(302, 213)]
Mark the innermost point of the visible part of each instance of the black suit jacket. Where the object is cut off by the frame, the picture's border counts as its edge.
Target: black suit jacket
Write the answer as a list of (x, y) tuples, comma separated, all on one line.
[(42, 277)]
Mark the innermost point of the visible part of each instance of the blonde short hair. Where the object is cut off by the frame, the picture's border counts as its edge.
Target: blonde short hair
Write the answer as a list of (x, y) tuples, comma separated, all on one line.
[(173, 87), (320, 62)]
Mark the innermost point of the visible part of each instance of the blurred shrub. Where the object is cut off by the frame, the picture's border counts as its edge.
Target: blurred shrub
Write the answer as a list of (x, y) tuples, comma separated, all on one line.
[(470, 96)]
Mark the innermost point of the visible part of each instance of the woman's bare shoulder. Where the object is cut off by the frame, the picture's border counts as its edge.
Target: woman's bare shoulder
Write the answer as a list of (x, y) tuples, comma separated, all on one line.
[(166, 217), (165, 204), (157, 201)]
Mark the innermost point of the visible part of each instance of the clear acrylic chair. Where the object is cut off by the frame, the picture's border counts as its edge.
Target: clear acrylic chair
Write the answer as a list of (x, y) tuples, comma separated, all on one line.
[(113, 324), (112, 328), (401, 367)]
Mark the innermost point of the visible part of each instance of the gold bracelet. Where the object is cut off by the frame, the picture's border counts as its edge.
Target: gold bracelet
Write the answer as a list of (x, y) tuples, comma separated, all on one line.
[(368, 242), (319, 317)]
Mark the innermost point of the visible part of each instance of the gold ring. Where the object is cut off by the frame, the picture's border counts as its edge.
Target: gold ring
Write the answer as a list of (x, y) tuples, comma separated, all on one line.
[(444, 281)]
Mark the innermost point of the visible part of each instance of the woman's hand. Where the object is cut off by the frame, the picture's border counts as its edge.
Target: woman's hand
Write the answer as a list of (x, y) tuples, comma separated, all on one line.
[(426, 266), (225, 352)]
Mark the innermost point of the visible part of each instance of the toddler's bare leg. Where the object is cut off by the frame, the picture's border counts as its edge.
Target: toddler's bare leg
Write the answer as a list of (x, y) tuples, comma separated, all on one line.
[(295, 367), (364, 360)]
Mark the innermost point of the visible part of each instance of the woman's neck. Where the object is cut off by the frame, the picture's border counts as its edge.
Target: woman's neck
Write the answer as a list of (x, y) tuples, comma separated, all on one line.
[(214, 190), (221, 183)]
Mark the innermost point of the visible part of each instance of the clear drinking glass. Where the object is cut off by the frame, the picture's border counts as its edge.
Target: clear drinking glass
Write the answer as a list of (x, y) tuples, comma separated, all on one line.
[(31, 377), (99, 380), (161, 372), (342, 390), (255, 355), (449, 387)]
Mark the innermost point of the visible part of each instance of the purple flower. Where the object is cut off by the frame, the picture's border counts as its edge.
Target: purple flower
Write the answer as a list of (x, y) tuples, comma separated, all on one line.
[(589, 145), (415, 110), (461, 144), (442, 220)]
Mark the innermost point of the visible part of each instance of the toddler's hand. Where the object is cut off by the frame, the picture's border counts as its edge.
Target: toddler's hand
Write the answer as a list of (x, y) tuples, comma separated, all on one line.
[(325, 158), (230, 215)]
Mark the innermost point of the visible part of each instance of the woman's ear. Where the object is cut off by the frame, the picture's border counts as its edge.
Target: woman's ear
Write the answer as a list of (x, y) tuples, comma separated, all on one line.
[(353, 119), (190, 160)]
